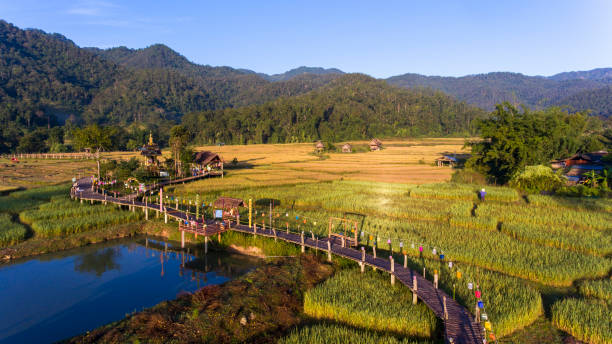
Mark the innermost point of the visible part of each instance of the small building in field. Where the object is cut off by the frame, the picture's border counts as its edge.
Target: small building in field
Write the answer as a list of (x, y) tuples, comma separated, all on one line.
[(319, 147), (347, 148), (446, 160), (207, 161), (375, 144), (229, 207), (151, 151)]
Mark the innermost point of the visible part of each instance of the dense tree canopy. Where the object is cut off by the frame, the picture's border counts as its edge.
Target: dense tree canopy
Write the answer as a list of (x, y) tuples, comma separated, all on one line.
[(514, 138), (353, 106)]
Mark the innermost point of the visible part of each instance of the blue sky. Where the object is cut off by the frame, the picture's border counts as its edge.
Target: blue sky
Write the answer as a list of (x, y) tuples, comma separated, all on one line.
[(380, 38)]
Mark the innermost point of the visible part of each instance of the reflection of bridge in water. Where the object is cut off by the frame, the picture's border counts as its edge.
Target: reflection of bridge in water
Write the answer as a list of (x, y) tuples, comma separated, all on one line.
[(195, 264)]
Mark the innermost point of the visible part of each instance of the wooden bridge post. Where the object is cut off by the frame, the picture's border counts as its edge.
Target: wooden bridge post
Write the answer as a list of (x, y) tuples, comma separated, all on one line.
[(146, 213), (182, 239), (275, 238), (374, 251), (415, 288), (445, 309), (343, 242), (405, 261), (436, 279), (329, 253), (424, 273), (165, 215), (302, 240), (362, 263), (254, 229), (391, 260), (133, 206), (205, 244)]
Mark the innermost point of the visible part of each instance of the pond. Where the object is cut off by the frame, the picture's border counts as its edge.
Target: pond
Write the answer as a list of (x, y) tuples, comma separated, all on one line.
[(55, 296)]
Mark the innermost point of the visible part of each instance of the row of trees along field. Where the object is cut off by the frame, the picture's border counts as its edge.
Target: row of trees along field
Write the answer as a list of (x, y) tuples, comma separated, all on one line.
[(513, 138)]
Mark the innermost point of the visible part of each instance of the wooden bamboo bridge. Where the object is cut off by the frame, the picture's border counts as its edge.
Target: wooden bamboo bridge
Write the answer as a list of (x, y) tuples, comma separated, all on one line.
[(459, 325)]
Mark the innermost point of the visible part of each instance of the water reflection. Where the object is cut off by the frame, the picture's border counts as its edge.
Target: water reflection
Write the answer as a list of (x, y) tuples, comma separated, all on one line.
[(55, 296), (98, 262)]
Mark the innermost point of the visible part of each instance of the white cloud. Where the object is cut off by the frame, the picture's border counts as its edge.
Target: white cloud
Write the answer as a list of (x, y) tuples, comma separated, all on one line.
[(91, 8)]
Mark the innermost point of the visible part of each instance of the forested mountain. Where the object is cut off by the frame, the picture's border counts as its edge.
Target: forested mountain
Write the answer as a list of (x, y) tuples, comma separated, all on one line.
[(594, 74), (598, 102), (353, 106), (301, 71), (487, 90)]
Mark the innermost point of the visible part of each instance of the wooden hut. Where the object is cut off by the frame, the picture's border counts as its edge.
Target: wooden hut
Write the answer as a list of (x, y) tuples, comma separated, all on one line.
[(319, 147), (375, 144), (207, 160), (229, 207), (446, 160), (347, 148), (151, 151)]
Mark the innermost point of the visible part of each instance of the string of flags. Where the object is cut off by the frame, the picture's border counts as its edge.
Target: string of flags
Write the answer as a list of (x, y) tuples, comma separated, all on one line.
[(373, 239)]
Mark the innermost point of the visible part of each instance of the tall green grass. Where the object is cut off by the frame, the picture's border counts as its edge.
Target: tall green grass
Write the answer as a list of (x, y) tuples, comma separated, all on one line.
[(531, 215), (455, 191), (369, 301), (10, 232), (21, 200), (601, 289), (587, 320), (596, 204), (338, 334), (581, 240), (62, 216), (510, 303)]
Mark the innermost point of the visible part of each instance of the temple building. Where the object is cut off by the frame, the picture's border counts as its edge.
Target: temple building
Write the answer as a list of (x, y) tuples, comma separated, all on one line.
[(151, 151)]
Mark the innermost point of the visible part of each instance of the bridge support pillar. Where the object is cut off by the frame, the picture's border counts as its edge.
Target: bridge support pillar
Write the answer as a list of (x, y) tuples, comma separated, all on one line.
[(165, 217), (362, 263), (415, 287), (81, 201), (329, 253), (436, 279), (392, 270), (445, 309), (205, 245), (92, 201), (182, 239), (301, 240), (146, 213)]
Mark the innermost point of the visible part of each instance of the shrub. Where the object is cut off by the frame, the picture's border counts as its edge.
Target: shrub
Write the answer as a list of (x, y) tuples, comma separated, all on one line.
[(534, 179)]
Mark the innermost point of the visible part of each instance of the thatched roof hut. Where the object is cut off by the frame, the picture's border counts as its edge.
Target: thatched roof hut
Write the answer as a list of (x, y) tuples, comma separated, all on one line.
[(227, 203), (319, 146), (347, 148), (375, 144), (205, 158)]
